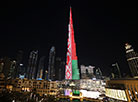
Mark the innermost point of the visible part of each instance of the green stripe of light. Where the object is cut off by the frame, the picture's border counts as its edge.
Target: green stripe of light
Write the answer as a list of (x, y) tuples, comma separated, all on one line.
[(75, 70)]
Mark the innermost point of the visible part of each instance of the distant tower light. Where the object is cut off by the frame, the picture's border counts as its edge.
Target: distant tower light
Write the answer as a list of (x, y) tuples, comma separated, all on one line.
[(21, 64), (14, 61), (127, 46)]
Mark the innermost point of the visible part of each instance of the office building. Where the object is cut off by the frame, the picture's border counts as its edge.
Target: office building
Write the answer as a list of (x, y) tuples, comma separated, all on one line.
[(51, 66), (1, 65), (41, 68), (32, 65), (19, 65), (59, 68), (132, 59), (7, 67), (87, 72), (98, 73), (115, 71)]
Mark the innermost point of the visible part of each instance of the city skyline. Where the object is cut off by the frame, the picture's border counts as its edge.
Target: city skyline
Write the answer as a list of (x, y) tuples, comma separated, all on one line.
[(100, 31)]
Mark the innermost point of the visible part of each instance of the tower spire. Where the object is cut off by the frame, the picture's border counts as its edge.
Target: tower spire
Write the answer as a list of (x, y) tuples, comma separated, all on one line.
[(72, 71)]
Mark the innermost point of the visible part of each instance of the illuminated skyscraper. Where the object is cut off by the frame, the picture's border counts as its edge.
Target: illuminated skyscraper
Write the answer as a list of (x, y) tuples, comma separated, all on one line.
[(132, 59), (32, 64), (51, 67), (71, 70)]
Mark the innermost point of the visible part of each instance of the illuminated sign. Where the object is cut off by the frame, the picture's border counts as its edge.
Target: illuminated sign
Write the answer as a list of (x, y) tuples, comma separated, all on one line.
[(90, 94), (116, 94), (67, 92), (26, 89)]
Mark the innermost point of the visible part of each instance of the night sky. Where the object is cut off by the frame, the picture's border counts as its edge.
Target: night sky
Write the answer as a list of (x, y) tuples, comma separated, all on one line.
[(101, 29)]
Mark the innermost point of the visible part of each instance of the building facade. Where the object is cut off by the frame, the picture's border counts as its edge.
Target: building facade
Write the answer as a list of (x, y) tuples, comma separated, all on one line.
[(123, 90), (19, 66), (32, 65), (60, 69), (71, 70), (87, 72), (2, 82), (1, 65), (132, 59), (41, 68), (7, 69), (51, 66), (41, 87), (98, 73)]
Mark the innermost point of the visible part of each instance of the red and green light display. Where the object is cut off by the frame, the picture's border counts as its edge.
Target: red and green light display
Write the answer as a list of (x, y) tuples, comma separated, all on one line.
[(72, 71)]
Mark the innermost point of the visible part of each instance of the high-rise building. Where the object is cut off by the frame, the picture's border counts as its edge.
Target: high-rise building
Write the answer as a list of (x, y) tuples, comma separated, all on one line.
[(41, 68), (22, 71), (98, 73), (1, 65), (7, 69), (60, 69), (32, 65), (132, 59), (19, 66), (87, 72), (71, 70), (12, 70), (51, 67), (115, 71)]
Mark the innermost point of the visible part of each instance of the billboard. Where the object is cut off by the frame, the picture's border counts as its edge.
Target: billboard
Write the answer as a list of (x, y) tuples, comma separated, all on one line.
[(116, 94), (90, 94)]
